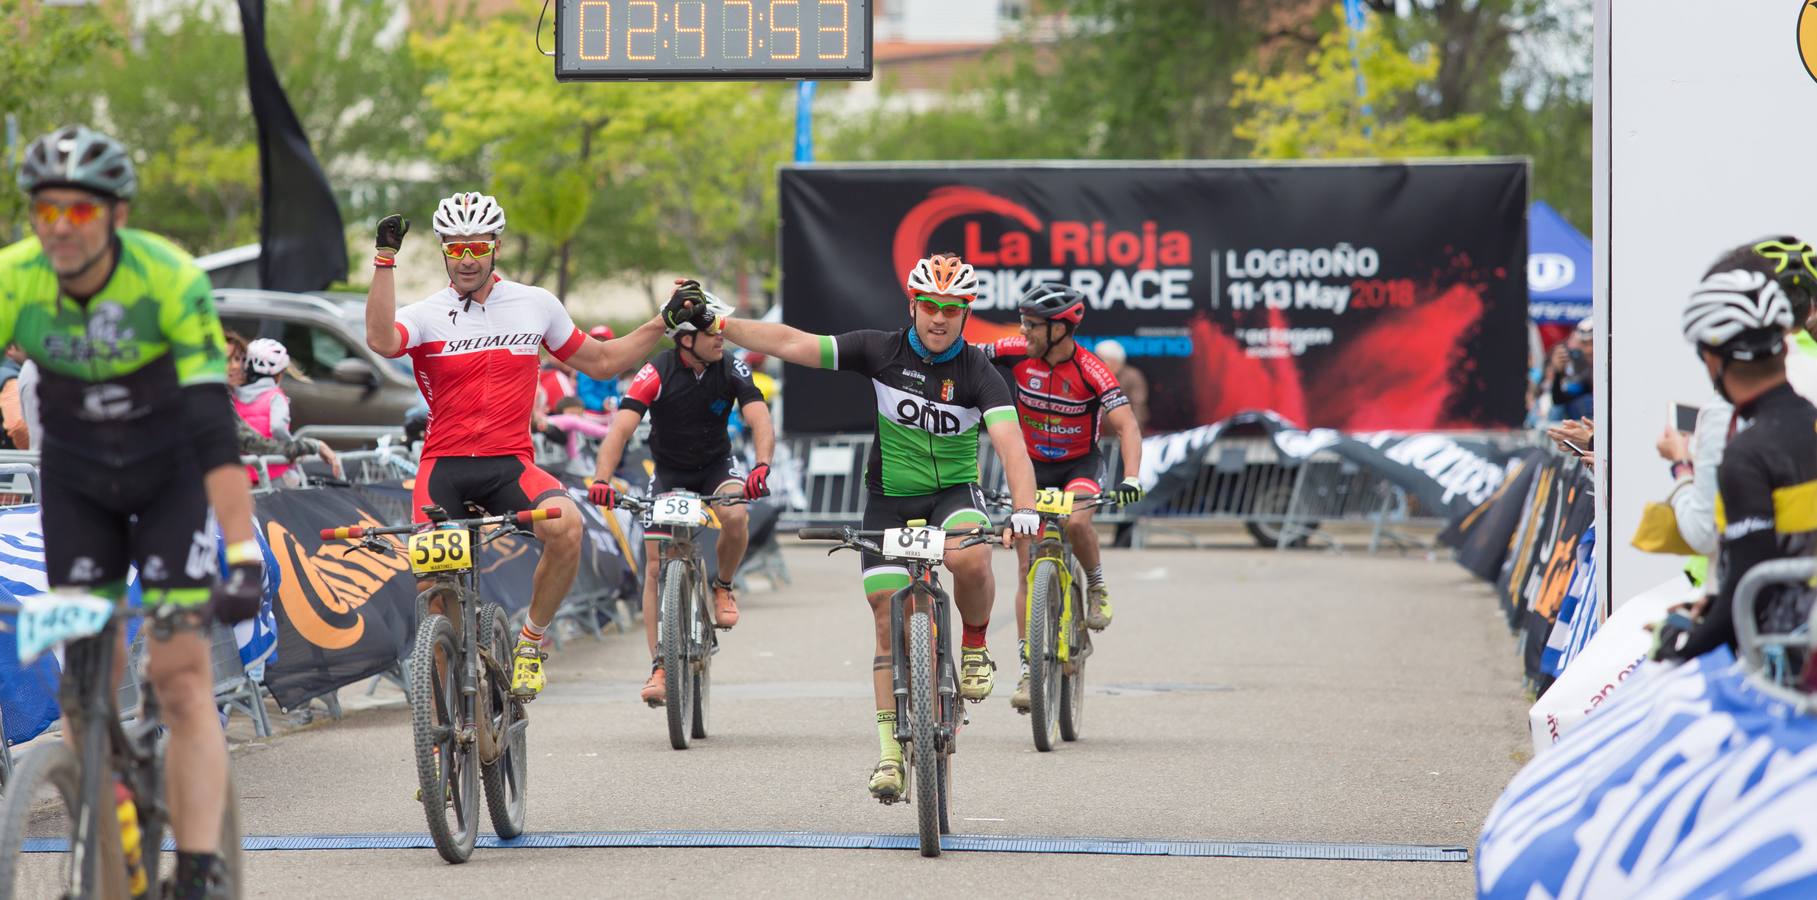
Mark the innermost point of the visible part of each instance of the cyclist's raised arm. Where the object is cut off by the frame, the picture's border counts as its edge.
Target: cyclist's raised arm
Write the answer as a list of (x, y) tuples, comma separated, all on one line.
[(382, 333), (608, 359), (816, 351)]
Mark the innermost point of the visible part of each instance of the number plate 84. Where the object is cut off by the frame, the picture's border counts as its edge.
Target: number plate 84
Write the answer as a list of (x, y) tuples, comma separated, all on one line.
[(914, 543)]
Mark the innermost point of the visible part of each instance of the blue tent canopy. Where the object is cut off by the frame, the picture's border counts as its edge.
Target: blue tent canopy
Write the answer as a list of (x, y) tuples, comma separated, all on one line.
[(1558, 268)]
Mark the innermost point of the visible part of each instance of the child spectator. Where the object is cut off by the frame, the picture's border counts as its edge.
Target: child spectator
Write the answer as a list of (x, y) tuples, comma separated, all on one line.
[(260, 401)]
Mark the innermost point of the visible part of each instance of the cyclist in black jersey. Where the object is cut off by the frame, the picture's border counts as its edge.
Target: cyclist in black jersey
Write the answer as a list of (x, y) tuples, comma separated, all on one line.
[(1766, 505), (936, 396), (689, 393)]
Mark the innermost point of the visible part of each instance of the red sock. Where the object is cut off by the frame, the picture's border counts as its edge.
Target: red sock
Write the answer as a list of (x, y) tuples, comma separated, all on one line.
[(973, 635), (531, 634)]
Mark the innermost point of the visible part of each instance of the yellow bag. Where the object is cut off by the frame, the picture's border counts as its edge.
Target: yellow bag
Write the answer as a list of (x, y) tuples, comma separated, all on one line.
[(1658, 532)]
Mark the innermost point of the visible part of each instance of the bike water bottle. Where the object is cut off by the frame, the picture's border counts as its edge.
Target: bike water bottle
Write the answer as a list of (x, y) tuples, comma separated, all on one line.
[(130, 836)]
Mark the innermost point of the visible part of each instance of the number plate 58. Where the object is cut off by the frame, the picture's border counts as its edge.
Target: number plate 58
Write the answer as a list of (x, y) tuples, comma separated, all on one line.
[(440, 550)]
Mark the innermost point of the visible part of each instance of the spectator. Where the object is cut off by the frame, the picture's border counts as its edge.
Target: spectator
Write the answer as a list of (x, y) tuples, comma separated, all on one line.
[(1568, 374), (597, 395), (1135, 384), (1576, 437), (261, 403), (11, 413), (555, 381), (569, 417), (1738, 320), (28, 402)]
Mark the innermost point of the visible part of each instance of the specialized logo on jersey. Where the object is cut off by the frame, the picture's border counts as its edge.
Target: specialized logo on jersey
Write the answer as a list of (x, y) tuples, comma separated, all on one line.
[(525, 343)]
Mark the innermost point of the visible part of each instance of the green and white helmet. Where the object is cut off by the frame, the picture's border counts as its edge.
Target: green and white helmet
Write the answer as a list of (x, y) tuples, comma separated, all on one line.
[(76, 156)]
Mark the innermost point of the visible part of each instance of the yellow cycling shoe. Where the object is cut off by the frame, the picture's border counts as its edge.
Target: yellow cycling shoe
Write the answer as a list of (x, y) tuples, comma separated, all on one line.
[(976, 676), (886, 780), (1097, 608), (527, 670)]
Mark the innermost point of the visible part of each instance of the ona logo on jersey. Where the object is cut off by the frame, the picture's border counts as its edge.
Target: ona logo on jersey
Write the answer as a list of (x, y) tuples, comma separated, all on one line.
[(927, 417)]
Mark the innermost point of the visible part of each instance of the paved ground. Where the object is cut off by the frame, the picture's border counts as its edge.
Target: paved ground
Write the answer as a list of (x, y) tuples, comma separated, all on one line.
[(1241, 695)]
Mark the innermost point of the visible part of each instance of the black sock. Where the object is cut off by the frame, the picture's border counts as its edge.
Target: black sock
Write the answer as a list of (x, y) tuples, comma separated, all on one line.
[(191, 880)]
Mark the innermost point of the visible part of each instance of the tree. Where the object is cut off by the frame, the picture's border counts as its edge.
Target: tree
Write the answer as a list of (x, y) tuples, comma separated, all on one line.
[(43, 43), (1315, 111)]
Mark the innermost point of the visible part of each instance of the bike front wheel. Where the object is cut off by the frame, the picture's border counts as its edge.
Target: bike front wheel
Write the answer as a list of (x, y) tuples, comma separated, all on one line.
[(1044, 598), (506, 778), (1072, 675), (43, 802), (924, 749), (674, 635), (447, 768), (701, 639)]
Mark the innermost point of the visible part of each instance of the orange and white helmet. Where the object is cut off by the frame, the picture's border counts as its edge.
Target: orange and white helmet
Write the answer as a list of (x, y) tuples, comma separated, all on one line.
[(944, 275)]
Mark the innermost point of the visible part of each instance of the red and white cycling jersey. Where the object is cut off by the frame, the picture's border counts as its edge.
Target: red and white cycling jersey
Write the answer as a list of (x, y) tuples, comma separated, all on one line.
[(477, 364), (1060, 407)]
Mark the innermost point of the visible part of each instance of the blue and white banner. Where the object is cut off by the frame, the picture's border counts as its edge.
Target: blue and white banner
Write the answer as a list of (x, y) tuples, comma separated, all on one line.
[(28, 696), (1674, 751)]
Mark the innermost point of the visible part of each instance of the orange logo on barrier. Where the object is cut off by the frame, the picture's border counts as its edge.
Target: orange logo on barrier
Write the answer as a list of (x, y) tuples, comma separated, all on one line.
[(322, 592), (1807, 38)]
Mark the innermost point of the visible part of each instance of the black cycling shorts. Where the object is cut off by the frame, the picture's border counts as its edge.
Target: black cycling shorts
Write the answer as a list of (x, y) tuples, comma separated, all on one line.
[(1082, 476), (705, 481), (98, 520), (500, 485), (959, 506)]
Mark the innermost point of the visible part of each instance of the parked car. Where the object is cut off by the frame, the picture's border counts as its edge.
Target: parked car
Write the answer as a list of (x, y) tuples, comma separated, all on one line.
[(326, 336)]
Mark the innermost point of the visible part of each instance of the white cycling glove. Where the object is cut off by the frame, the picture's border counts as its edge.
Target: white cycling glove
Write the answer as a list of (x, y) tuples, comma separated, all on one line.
[(1025, 523)]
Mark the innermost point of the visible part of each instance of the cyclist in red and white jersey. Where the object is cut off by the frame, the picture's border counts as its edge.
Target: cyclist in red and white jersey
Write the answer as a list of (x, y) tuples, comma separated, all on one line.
[(474, 346), (1063, 395)]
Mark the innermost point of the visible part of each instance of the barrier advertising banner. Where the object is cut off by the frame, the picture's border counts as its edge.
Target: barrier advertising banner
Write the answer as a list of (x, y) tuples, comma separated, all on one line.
[(1379, 297)]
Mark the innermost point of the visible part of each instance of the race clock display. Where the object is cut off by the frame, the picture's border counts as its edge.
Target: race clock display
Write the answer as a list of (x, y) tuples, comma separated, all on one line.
[(698, 40)]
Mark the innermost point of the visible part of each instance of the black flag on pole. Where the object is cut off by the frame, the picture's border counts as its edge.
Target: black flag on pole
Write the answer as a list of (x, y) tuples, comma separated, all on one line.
[(302, 247)]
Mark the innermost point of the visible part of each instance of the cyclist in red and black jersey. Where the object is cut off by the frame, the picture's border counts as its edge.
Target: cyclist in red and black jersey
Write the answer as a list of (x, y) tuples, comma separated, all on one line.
[(689, 393), (1064, 395)]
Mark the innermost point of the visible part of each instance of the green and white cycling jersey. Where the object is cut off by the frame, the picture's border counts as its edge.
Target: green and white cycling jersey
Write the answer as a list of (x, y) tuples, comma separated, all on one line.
[(112, 366), (928, 414)]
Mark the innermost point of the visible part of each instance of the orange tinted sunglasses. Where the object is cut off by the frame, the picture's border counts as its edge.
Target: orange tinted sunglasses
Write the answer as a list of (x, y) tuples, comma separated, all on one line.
[(475, 249), (80, 212), (931, 306)]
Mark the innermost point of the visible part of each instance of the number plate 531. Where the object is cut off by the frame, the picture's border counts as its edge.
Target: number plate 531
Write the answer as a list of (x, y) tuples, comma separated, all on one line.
[(1054, 502), (440, 550)]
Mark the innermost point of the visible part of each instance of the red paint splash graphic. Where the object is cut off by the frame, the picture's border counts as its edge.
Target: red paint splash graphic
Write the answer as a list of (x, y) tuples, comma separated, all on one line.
[(919, 223)]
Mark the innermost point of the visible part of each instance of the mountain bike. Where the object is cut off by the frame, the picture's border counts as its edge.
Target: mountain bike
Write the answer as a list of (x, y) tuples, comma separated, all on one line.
[(103, 790), (685, 636), (461, 708), (924, 677), (1058, 641)]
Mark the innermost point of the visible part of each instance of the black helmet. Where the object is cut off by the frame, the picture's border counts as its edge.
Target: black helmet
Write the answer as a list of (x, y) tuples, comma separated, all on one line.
[(1053, 302), (78, 157)]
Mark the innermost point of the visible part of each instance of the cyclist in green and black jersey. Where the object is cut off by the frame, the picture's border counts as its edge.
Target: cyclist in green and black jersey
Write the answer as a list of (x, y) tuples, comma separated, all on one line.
[(935, 395), (139, 439)]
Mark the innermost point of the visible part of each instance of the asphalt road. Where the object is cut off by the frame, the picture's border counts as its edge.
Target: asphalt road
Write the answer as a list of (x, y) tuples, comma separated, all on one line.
[(1240, 695)]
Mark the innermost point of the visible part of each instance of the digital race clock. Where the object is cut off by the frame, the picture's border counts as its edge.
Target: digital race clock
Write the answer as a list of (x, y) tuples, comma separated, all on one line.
[(686, 40)]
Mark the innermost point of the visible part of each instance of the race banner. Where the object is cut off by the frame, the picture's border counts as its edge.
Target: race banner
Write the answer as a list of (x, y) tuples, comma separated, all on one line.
[(1484, 536), (1356, 297)]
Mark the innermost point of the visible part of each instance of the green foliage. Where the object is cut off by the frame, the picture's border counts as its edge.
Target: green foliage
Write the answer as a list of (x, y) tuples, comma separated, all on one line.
[(39, 47), (1316, 112)]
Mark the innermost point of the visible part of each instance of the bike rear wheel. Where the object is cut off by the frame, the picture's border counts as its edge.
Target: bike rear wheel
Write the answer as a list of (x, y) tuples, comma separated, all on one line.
[(701, 640), (674, 628), (1044, 598), (506, 778), (924, 749), (447, 768)]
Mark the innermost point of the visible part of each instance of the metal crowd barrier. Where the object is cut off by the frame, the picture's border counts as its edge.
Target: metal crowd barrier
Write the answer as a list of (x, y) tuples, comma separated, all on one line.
[(1768, 657), (1281, 500)]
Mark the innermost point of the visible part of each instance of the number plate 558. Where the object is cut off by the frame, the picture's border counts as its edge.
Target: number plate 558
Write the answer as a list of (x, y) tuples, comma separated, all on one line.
[(914, 543), (440, 550)]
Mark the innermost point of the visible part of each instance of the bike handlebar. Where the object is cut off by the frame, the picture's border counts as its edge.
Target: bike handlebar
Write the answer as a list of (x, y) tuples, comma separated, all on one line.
[(1002, 499), (521, 517), (639, 504)]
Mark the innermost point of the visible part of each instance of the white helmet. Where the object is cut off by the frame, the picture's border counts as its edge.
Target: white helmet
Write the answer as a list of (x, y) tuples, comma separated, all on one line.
[(1738, 314), (267, 357), (943, 275), (468, 214), (721, 311)]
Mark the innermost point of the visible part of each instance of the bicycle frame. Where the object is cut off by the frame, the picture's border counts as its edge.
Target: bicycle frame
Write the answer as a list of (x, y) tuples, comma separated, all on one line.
[(1055, 545)]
